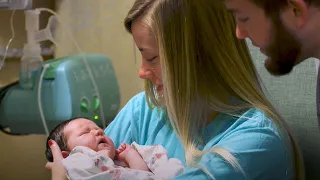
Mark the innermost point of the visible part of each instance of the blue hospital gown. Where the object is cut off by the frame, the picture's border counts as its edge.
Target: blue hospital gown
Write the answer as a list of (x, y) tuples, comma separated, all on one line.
[(252, 139)]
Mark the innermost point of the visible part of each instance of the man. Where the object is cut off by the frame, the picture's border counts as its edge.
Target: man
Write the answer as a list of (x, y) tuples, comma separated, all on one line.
[(286, 31)]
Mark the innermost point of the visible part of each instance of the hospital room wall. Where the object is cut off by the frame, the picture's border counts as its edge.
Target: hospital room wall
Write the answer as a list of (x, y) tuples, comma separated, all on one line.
[(100, 30), (21, 157), (97, 27)]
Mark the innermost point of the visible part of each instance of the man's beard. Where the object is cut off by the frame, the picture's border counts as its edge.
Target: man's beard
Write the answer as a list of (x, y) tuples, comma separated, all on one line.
[(283, 52)]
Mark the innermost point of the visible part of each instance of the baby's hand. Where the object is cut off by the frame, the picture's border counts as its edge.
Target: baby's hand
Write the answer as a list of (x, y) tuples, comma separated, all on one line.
[(122, 151)]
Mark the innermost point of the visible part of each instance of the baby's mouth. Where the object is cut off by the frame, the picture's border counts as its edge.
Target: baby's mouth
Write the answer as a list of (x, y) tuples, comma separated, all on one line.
[(102, 141)]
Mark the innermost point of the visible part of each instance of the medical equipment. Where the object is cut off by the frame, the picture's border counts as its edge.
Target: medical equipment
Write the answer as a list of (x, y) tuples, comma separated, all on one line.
[(57, 90), (12, 5), (2, 61), (15, 4), (66, 92)]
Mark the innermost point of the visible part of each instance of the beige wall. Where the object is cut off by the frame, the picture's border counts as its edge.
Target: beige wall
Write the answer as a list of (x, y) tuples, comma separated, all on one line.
[(22, 157), (98, 28)]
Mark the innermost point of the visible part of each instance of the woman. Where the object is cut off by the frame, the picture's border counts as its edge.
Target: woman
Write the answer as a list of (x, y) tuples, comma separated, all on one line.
[(202, 101)]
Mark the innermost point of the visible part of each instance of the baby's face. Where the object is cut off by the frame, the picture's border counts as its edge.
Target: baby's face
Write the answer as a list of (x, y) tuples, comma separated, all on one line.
[(83, 132)]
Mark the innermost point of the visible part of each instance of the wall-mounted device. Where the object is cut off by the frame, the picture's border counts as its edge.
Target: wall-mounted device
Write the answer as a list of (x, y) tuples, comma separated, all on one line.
[(15, 4), (66, 91)]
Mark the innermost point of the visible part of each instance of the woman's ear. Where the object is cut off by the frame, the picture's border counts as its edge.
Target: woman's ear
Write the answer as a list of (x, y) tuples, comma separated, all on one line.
[(65, 154)]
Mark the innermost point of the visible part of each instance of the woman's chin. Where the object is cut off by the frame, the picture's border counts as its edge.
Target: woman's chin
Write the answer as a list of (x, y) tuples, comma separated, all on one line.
[(159, 89)]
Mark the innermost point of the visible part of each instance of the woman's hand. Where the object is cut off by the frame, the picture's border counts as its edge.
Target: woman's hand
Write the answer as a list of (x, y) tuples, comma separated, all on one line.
[(57, 170)]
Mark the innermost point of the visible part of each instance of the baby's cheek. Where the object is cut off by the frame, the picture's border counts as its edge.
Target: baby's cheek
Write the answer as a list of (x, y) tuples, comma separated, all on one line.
[(92, 145), (112, 153), (71, 145), (84, 142)]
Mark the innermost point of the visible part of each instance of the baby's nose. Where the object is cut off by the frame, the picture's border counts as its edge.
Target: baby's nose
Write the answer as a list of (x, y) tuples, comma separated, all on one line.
[(98, 132)]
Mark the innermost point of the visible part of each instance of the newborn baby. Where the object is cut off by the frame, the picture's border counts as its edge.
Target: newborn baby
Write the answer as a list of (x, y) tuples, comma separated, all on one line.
[(89, 154), (84, 132)]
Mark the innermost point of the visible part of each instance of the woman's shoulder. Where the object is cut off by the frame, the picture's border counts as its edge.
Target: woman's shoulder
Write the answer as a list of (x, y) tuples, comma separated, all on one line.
[(253, 125), (136, 104), (253, 131), (139, 98), (255, 118), (140, 110)]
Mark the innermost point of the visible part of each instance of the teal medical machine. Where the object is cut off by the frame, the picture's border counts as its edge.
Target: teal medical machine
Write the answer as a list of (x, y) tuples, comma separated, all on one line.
[(50, 92), (62, 91)]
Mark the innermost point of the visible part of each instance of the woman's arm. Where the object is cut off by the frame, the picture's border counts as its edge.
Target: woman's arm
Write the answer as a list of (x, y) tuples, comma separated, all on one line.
[(120, 129), (131, 122)]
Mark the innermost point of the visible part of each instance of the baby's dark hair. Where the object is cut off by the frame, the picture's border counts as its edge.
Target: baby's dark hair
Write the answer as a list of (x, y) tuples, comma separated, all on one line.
[(57, 134)]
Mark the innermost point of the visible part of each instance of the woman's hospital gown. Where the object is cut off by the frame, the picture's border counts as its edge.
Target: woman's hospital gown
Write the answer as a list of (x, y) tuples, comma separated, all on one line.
[(252, 139)]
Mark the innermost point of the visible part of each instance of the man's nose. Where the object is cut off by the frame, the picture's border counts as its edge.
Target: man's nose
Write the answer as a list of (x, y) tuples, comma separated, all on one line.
[(241, 33)]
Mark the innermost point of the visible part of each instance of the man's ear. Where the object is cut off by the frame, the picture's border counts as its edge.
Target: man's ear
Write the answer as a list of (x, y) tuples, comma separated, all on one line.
[(300, 8), (65, 154)]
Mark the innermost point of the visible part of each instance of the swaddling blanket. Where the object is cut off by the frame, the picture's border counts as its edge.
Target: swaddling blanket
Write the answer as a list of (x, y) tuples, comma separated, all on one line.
[(85, 164)]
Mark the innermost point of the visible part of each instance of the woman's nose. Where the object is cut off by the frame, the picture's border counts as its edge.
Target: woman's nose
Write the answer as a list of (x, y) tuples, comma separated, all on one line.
[(145, 72)]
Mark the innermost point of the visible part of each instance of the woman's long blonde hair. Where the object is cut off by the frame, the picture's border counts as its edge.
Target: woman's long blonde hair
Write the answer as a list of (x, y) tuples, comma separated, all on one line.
[(203, 66)]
